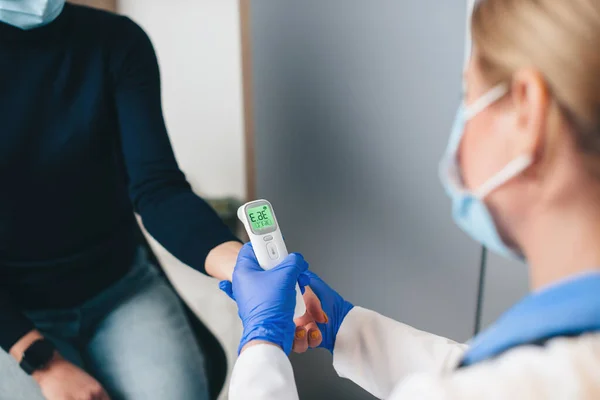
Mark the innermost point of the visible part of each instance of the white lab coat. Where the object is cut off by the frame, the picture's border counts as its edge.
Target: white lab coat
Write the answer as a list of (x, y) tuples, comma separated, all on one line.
[(395, 361)]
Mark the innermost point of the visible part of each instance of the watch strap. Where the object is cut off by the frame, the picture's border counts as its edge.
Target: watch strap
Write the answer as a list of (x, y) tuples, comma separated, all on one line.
[(37, 356)]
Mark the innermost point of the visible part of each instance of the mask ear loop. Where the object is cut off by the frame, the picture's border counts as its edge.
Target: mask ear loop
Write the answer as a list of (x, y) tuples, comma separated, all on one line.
[(512, 169), (489, 98)]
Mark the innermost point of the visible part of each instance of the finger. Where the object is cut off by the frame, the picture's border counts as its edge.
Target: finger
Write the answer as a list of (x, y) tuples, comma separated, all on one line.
[(247, 253), (300, 340), (295, 260), (314, 335), (315, 279), (314, 306), (227, 287), (319, 287), (303, 280), (300, 263), (246, 262), (304, 320), (99, 394), (104, 396)]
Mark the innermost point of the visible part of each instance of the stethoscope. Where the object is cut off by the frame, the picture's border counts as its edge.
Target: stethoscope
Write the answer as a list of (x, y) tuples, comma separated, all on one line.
[(480, 290)]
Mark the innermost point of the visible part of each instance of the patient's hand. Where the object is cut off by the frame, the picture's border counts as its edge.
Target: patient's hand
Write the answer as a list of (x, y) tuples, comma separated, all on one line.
[(61, 380), (307, 332), (325, 312)]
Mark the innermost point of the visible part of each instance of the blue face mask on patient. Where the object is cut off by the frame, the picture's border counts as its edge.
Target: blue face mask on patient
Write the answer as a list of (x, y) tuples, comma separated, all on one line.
[(468, 207), (29, 14)]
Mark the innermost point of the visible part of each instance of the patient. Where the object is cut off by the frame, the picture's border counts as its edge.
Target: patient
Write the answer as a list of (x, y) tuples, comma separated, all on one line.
[(83, 144)]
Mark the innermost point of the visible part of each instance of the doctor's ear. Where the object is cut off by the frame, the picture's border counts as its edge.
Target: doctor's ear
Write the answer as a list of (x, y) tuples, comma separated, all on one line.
[(531, 102)]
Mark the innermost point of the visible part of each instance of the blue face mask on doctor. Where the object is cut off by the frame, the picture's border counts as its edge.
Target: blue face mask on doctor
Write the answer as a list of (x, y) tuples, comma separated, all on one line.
[(469, 210), (29, 14)]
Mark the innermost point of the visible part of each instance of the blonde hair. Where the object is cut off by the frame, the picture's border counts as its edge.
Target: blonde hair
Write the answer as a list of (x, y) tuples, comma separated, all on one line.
[(558, 38)]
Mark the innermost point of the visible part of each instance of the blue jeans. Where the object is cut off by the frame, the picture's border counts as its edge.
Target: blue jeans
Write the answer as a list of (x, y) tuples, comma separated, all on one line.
[(133, 338)]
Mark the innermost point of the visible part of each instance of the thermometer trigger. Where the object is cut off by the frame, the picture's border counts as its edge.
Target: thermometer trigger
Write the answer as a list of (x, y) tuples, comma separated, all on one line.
[(272, 250)]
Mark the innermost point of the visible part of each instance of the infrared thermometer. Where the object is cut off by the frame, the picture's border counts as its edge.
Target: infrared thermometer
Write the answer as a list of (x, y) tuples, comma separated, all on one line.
[(260, 223)]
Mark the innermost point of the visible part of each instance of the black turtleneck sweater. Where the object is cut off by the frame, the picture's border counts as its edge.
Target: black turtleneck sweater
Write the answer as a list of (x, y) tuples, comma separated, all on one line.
[(82, 145)]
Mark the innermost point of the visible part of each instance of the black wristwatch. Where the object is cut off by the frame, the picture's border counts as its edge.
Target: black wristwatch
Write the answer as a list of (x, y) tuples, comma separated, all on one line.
[(37, 356)]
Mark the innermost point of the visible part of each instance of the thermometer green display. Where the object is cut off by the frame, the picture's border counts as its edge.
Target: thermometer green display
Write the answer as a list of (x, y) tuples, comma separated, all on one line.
[(261, 218)]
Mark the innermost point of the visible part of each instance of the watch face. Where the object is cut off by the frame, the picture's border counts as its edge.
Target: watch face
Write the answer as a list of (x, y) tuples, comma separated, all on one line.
[(37, 355)]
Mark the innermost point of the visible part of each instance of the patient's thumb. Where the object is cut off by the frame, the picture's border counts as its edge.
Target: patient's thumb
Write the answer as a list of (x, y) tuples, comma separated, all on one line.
[(314, 306)]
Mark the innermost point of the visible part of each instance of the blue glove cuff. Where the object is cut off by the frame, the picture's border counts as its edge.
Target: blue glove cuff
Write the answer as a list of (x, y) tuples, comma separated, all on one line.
[(282, 336), (333, 326)]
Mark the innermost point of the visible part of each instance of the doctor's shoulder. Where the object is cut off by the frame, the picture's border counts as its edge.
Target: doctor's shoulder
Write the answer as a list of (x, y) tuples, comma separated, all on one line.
[(562, 369)]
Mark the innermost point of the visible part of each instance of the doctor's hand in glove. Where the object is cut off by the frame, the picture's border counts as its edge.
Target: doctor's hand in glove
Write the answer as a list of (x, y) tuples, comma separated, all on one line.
[(325, 312), (266, 299)]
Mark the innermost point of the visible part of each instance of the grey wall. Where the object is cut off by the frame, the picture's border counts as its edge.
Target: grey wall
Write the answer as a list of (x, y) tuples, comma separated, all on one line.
[(506, 282), (354, 101)]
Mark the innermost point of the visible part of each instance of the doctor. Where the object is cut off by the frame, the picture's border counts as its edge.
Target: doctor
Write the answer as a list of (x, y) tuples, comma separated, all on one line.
[(522, 168)]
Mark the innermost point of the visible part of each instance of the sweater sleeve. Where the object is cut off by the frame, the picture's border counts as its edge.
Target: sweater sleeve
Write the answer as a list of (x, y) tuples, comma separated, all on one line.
[(13, 324), (177, 218)]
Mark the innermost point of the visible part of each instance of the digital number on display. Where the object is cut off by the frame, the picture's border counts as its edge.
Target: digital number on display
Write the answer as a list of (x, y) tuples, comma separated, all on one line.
[(261, 217)]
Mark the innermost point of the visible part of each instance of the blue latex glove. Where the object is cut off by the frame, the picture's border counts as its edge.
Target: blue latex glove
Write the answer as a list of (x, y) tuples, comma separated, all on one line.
[(266, 299), (334, 306)]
